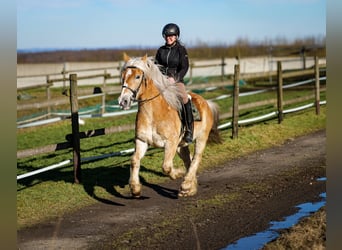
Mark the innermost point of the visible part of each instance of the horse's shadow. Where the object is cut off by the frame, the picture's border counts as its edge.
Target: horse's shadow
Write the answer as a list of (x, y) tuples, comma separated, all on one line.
[(163, 191), (112, 179)]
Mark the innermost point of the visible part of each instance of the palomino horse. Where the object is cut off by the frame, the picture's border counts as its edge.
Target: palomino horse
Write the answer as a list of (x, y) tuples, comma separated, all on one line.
[(158, 122)]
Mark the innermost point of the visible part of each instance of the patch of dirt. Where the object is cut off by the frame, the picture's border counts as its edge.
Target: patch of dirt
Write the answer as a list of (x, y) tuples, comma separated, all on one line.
[(234, 200)]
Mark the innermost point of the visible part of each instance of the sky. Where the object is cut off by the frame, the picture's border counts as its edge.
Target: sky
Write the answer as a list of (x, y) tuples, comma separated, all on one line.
[(93, 24)]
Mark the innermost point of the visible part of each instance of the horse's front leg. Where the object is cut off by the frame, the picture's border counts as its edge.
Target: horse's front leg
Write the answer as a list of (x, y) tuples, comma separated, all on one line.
[(134, 181)]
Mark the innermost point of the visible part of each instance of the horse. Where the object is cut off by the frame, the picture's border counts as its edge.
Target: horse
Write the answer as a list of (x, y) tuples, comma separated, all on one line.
[(158, 122)]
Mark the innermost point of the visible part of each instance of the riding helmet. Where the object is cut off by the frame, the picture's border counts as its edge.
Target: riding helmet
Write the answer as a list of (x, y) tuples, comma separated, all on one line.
[(170, 29)]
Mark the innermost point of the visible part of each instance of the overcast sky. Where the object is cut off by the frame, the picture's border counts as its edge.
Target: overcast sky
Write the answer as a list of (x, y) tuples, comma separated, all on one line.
[(91, 24)]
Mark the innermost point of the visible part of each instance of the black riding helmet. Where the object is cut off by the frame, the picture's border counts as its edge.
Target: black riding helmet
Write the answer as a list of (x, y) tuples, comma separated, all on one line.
[(170, 29)]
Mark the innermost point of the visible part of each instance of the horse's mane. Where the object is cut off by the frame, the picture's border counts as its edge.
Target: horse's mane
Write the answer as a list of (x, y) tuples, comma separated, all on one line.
[(170, 92)]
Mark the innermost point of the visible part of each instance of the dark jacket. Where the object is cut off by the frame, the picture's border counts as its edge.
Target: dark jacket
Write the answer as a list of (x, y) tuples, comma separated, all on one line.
[(173, 61)]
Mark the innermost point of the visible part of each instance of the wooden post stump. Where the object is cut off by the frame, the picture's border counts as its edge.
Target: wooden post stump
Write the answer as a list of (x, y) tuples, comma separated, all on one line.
[(75, 128)]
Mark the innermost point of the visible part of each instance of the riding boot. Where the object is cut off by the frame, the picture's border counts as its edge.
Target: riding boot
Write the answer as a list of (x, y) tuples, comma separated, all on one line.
[(188, 120)]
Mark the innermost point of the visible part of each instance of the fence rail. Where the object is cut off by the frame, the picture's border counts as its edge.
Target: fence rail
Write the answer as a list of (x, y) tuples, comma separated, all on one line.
[(115, 89), (73, 140)]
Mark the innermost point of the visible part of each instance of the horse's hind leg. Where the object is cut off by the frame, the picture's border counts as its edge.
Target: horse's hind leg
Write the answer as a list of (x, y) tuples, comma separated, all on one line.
[(189, 185), (184, 154), (169, 154), (134, 182)]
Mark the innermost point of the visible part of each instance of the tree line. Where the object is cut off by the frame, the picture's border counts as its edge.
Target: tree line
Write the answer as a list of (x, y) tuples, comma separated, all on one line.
[(241, 48)]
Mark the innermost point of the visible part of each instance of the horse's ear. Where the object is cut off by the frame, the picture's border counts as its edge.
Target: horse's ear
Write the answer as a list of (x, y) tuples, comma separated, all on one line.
[(144, 58), (126, 57)]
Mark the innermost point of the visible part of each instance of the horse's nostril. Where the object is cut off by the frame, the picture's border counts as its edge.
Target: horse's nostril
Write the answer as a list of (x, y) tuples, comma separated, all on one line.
[(124, 103)]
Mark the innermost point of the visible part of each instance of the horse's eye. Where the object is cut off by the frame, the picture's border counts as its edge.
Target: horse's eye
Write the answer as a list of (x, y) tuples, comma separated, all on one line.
[(137, 77)]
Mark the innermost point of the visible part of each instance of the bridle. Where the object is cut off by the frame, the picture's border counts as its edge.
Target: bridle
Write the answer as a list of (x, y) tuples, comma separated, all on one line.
[(135, 91)]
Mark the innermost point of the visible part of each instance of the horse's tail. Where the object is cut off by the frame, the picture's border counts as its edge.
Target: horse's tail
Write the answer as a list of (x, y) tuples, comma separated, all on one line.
[(214, 135)]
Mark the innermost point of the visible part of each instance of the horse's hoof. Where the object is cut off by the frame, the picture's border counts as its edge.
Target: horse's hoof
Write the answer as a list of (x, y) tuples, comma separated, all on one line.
[(177, 173), (188, 189), (166, 171), (187, 193), (136, 196), (136, 190), (183, 193)]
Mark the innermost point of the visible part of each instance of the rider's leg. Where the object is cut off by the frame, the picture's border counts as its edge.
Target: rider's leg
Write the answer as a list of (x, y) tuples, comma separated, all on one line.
[(186, 114)]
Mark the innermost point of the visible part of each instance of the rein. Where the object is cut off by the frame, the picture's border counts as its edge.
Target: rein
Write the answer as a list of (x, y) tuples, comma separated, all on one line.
[(135, 92)]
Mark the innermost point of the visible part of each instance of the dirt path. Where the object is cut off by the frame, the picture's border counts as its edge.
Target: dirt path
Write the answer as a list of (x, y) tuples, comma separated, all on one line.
[(234, 200)]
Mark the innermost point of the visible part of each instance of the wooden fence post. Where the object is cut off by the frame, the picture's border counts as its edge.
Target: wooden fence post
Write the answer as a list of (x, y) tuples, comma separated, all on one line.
[(280, 92), (48, 94), (75, 128), (236, 101), (64, 73), (103, 109), (190, 73), (222, 69), (303, 56), (317, 87)]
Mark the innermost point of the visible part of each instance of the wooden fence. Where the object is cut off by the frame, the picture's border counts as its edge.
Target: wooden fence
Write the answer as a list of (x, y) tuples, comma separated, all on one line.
[(104, 90), (73, 140), (110, 89)]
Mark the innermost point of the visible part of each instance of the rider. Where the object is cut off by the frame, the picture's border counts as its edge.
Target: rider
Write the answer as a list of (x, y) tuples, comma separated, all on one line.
[(173, 60)]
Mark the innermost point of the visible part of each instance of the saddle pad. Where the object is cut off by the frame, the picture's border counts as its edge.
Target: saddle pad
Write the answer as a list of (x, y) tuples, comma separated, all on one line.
[(195, 113)]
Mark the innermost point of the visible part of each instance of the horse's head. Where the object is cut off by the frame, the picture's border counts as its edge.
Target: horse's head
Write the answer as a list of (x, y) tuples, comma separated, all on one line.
[(131, 79)]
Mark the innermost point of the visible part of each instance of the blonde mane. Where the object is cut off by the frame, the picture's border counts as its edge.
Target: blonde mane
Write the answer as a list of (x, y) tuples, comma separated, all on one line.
[(170, 92)]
